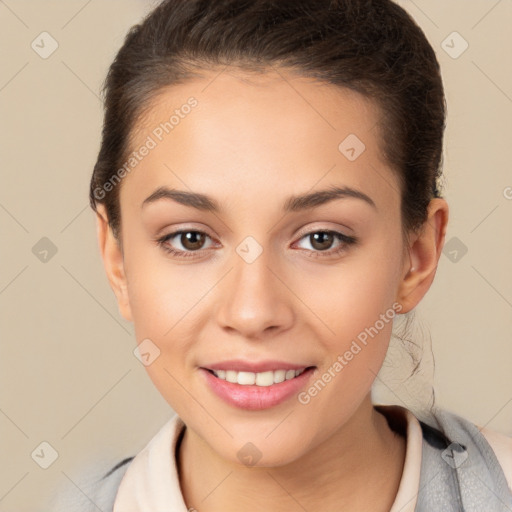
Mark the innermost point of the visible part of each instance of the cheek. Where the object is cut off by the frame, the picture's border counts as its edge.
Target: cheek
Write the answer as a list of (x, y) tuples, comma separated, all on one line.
[(162, 293), (363, 326), (358, 305), (166, 309), (350, 297), (164, 299)]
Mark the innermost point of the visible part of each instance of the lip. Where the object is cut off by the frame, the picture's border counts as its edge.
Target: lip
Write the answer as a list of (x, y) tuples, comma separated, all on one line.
[(239, 365), (255, 398)]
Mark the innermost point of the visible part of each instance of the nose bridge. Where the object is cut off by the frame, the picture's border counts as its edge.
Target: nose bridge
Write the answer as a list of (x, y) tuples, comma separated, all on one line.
[(253, 280), (253, 299), (252, 262)]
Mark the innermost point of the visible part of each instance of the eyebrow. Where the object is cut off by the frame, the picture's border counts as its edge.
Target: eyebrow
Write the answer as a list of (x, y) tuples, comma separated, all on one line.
[(292, 204)]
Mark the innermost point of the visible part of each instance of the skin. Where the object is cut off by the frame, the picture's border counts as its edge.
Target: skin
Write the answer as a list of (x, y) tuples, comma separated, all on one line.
[(252, 141)]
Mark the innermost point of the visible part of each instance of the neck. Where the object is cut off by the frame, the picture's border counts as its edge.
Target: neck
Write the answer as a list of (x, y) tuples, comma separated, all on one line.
[(358, 468)]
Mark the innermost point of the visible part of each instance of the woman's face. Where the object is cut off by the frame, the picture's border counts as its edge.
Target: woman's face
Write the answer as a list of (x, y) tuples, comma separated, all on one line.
[(256, 281)]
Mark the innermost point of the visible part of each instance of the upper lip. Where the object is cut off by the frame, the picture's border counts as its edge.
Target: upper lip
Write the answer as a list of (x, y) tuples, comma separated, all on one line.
[(253, 366)]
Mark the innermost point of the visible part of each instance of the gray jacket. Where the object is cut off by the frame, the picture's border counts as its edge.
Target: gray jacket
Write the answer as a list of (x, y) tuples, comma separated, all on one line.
[(459, 473)]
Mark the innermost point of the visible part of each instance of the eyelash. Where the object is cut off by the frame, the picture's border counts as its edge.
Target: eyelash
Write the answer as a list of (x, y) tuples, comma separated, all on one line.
[(345, 239)]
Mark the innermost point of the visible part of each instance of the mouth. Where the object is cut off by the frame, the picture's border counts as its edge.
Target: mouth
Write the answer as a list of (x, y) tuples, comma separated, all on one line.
[(256, 391), (262, 379)]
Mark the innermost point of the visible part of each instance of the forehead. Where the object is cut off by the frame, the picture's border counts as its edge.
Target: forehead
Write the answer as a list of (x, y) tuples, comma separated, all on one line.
[(273, 99), (258, 133)]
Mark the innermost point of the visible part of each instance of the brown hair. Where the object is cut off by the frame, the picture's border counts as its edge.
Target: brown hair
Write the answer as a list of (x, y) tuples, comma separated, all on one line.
[(370, 46)]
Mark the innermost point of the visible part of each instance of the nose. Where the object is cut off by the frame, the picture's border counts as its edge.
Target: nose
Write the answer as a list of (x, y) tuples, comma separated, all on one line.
[(254, 300)]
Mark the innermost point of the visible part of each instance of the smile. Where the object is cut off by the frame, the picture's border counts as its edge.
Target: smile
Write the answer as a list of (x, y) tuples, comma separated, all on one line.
[(256, 390), (263, 379)]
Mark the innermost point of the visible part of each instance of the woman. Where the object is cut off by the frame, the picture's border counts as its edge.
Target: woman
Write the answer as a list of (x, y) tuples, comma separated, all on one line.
[(267, 203)]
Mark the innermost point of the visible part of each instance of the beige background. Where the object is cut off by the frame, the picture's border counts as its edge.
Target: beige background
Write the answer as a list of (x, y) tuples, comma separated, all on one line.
[(69, 376)]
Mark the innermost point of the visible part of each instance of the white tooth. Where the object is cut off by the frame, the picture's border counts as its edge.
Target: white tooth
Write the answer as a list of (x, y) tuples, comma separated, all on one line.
[(279, 376), (259, 379), (290, 374), (265, 378), (231, 376), (246, 378)]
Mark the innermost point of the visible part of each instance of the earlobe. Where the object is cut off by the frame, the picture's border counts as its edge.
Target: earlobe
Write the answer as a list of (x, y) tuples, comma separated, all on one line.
[(424, 253), (113, 261)]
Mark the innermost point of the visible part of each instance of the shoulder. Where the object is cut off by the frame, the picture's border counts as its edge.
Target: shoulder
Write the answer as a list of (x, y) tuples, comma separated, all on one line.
[(502, 448), (494, 447), (92, 490)]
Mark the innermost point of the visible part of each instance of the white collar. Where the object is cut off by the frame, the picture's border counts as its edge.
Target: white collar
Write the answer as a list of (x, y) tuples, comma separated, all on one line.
[(408, 490), (151, 482)]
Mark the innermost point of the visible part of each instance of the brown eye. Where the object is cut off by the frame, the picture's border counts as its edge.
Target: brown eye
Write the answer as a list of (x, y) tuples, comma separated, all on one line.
[(192, 240), (321, 243), (189, 242), (321, 240)]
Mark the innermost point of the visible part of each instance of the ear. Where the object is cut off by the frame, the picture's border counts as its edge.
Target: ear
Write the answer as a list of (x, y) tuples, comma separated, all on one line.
[(113, 261), (424, 253)]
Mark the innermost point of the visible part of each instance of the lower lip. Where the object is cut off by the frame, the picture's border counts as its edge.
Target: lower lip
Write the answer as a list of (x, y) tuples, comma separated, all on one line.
[(254, 397)]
